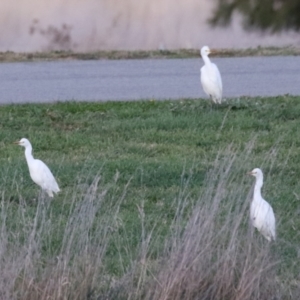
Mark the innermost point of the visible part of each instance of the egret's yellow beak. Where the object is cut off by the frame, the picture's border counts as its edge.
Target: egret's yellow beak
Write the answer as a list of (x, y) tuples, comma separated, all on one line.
[(16, 143), (213, 51), (249, 173)]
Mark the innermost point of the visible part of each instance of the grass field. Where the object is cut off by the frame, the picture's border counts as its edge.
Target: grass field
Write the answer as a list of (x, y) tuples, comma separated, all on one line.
[(154, 200), (10, 56)]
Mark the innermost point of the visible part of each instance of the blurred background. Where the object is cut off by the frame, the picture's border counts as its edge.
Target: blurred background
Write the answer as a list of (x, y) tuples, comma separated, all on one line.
[(89, 25)]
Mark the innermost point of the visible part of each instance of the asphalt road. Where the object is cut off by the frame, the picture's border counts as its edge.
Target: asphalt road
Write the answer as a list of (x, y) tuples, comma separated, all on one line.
[(144, 79)]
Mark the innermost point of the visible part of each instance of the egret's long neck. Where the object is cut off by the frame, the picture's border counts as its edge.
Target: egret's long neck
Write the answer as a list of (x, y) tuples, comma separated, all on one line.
[(28, 154), (257, 188), (206, 60)]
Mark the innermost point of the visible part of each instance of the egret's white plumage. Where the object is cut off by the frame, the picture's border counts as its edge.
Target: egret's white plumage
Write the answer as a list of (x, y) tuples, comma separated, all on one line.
[(210, 77), (39, 172), (261, 212)]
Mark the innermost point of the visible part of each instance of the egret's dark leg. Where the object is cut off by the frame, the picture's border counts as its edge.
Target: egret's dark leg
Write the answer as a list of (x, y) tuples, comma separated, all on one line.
[(211, 102)]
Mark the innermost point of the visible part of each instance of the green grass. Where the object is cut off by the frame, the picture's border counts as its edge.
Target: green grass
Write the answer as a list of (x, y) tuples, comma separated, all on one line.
[(149, 154), (10, 56)]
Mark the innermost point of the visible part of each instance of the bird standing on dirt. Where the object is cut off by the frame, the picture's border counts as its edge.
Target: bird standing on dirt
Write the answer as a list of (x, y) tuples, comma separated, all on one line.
[(39, 172), (261, 212), (210, 77)]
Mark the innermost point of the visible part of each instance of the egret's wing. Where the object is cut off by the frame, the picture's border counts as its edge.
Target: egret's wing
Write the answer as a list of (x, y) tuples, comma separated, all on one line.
[(50, 181), (271, 222), (218, 78), (207, 80), (263, 218), (211, 81), (44, 177)]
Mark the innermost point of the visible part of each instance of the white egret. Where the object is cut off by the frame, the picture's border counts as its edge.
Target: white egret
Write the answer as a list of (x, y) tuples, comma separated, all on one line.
[(39, 172), (210, 77), (261, 212)]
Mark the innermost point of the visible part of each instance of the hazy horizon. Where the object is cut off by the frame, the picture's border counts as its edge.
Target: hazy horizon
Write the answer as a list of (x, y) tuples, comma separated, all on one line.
[(89, 25)]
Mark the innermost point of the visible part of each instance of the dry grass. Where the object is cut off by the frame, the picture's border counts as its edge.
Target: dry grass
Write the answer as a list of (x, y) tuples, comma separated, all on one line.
[(216, 256), (10, 56), (211, 251), (76, 270)]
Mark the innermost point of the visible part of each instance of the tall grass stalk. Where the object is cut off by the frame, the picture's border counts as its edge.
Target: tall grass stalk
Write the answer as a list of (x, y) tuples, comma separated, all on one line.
[(210, 251), (216, 255)]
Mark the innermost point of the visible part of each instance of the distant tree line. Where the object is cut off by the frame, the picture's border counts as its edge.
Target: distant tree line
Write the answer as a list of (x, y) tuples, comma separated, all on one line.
[(273, 15)]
